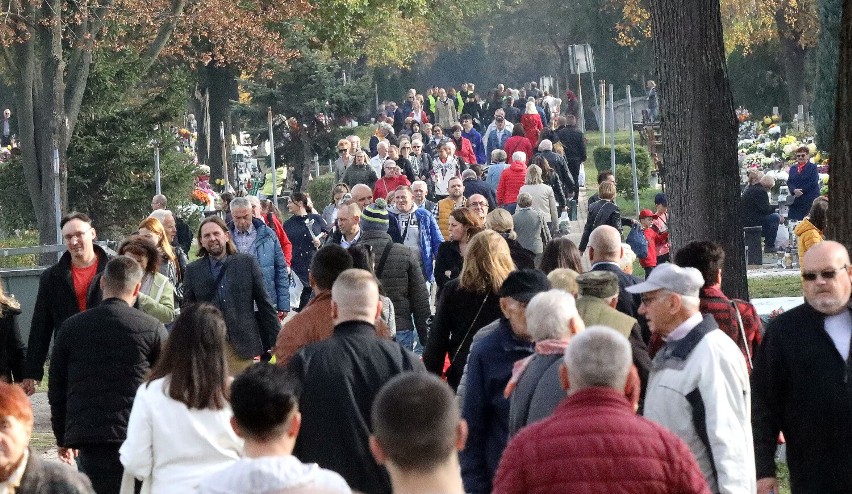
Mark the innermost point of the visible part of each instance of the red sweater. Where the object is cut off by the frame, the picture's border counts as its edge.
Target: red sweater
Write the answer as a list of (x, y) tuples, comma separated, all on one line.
[(511, 181), (654, 237), (465, 151), (595, 444), (387, 184), (532, 127), (518, 143)]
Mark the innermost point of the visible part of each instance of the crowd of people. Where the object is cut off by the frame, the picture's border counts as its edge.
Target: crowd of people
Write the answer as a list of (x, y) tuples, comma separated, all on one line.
[(431, 335)]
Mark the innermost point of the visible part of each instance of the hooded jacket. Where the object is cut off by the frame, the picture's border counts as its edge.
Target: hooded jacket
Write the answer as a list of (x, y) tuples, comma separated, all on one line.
[(807, 235), (511, 181), (269, 474)]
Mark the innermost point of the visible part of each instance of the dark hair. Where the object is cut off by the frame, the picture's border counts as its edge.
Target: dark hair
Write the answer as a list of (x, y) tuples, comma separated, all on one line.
[(703, 255), (230, 248), (327, 265), (404, 408), (226, 197), (560, 253), (803, 149), (120, 275), (303, 198), (818, 215), (465, 116), (518, 130), (74, 215), (469, 220), (194, 358), (135, 244), (263, 398), (456, 128), (603, 175), (546, 170), (267, 204)]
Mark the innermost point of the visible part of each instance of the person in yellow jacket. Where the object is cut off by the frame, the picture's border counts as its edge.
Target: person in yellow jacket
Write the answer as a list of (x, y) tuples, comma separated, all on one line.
[(809, 231)]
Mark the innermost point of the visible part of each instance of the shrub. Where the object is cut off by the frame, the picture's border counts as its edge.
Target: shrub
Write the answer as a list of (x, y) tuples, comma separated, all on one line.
[(320, 190), (623, 168), (16, 212)]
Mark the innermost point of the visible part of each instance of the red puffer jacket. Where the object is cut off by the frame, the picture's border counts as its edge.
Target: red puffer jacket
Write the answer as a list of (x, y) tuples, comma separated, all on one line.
[(594, 444), (511, 181)]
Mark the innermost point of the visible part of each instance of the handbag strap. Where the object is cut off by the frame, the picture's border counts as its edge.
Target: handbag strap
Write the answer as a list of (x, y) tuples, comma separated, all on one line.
[(742, 332), (380, 267), (470, 328)]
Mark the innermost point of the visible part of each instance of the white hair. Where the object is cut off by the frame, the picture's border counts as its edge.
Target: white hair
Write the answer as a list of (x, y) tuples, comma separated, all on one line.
[(519, 156), (450, 145), (628, 257), (598, 357), (545, 145), (469, 174), (690, 303), (419, 183), (549, 313), (254, 200), (240, 203), (161, 215), (383, 143)]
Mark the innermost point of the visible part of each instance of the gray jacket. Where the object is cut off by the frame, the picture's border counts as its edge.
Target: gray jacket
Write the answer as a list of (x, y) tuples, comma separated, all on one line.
[(531, 228), (250, 332), (402, 280)]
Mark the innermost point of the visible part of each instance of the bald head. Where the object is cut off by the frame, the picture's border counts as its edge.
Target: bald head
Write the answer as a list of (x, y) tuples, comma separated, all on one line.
[(827, 277), (355, 297), (158, 202), (362, 195), (605, 244), (767, 181)]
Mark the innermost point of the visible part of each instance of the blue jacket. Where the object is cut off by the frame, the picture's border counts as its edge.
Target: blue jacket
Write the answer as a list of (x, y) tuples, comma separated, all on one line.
[(808, 181), (475, 139), (495, 142), (270, 257), (492, 177), (430, 238), (485, 408)]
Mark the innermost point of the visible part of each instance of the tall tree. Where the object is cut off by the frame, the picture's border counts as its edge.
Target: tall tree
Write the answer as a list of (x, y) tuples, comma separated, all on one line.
[(839, 226), (827, 55), (699, 130), (48, 46)]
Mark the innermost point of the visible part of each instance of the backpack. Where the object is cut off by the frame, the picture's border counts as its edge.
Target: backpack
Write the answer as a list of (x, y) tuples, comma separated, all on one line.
[(637, 241)]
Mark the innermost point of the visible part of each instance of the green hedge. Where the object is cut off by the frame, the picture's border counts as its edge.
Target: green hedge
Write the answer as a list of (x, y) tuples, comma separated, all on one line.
[(320, 190), (623, 168)]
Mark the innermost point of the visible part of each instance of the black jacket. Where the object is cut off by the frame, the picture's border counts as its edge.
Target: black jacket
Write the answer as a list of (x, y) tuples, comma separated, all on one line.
[(55, 303), (340, 377), (523, 258), (51, 477), (403, 282), (574, 146), (99, 359), (802, 387), (13, 350), (455, 323), (473, 186), (251, 332), (600, 213), (754, 205), (448, 263)]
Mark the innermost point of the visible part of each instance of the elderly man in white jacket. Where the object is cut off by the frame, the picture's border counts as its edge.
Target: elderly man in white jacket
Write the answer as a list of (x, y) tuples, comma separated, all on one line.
[(699, 386)]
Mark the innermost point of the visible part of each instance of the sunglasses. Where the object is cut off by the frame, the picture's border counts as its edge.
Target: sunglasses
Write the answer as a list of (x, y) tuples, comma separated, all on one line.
[(826, 275), (801, 155), (341, 150)]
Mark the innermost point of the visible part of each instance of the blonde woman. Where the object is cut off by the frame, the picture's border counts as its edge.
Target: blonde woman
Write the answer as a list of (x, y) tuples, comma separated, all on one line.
[(602, 212), (501, 222), (152, 230), (468, 303), (543, 197)]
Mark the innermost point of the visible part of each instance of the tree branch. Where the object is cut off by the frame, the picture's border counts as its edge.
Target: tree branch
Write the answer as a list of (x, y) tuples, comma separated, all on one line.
[(163, 35)]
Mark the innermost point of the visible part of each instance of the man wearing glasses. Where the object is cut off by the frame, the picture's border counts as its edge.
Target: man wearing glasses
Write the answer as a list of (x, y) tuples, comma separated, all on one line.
[(802, 381), (803, 182), (698, 387), (62, 291)]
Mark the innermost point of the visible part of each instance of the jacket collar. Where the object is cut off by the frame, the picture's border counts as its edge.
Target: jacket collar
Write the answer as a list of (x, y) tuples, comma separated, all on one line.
[(347, 328), (510, 342), (373, 235), (594, 397), (681, 349), (100, 254)]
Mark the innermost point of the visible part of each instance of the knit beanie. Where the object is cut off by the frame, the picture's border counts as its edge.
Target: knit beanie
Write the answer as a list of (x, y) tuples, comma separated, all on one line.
[(374, 218)]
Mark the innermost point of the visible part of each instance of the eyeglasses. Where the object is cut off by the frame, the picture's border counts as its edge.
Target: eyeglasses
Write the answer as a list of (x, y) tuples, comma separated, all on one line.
[(826, 275), (341, 150), (416, 147), (72, 236), (482, 204), (801, 156)]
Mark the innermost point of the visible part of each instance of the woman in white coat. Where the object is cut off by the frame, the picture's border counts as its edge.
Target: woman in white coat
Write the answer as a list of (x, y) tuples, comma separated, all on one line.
[(543, 198), (179, 430)]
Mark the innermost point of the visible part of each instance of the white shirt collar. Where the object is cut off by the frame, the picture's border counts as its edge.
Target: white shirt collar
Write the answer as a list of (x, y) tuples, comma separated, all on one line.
[(14, 481), (684, 328)]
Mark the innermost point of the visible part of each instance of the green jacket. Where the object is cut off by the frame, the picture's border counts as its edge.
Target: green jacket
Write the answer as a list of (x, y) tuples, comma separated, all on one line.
[(160, 300), (594, 311)]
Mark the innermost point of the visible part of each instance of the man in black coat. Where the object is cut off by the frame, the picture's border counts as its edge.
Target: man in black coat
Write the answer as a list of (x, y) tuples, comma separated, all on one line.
[(340, 378), (62, 291), (756, 210), (100, 358), (573, 145), (234, 283), (801, 381), (473, 185), (560, 166), (21, 471)]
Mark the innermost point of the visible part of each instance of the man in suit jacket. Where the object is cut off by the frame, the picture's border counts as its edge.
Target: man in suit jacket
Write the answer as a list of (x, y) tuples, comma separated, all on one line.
[(604, 253), (234, 283), (801, 381), (100, 357)]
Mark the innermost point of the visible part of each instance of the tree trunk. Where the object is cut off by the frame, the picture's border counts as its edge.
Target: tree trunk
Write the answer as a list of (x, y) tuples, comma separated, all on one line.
[(839, 226), (700, 131), (220, 84), (825, 80), (793, 60)]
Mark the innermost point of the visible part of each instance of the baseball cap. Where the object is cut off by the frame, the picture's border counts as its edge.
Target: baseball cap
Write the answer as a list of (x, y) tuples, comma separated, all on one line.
[(524, 284), (647, 213), (684, 281)]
